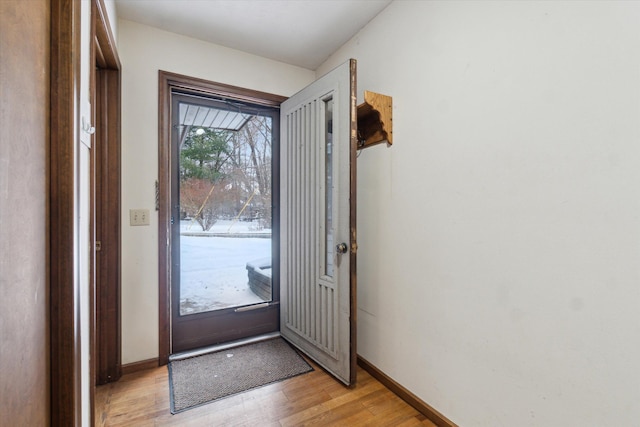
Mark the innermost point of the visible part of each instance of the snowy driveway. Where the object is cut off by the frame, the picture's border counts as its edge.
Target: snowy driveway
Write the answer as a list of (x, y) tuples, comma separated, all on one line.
[(213, 269)]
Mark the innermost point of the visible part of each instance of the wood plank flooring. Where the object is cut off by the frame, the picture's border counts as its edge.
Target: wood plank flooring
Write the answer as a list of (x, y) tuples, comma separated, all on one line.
[(142, 399)]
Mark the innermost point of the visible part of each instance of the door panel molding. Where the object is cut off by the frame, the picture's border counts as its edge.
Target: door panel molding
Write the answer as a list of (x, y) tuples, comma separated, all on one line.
[(167, 84)]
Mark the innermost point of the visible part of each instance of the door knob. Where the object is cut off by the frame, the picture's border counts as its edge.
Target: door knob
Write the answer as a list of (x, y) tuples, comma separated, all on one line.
[(342, 248)]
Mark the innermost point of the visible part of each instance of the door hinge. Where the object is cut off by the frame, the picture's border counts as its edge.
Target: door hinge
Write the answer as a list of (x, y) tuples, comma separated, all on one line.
[(98, 245)]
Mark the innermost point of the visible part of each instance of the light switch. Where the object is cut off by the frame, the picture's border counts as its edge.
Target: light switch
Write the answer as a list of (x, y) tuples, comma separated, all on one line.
[(139, 216)]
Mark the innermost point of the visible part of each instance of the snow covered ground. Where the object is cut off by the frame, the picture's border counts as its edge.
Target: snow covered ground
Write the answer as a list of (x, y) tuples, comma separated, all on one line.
[(225, 227), (213, 272)]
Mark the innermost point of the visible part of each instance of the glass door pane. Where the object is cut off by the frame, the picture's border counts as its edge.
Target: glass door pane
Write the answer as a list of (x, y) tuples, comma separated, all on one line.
[(328, 186), (225, 207)]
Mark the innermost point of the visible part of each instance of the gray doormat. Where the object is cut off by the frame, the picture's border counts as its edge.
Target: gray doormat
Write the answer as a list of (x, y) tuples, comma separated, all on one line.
[(202, 379)]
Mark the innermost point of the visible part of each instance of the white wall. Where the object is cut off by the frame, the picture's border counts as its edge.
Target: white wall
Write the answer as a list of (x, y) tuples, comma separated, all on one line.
[(143, 51), (499, 238), (110, 6)]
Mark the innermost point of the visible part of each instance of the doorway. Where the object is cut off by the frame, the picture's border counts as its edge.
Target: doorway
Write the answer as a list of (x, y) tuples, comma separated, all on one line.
[(217, 198), (315, 308), (105, 173), (223, 248)]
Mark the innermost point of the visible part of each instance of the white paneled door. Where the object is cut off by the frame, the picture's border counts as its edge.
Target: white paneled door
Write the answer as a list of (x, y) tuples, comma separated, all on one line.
[(318, 238)]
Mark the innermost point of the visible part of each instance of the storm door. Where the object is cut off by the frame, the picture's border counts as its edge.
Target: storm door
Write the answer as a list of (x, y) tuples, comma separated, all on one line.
[(223, 277), (318, 176)]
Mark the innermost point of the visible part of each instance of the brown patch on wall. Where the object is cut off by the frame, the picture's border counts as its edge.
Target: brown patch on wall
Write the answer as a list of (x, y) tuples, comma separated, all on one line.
[(24, 188)]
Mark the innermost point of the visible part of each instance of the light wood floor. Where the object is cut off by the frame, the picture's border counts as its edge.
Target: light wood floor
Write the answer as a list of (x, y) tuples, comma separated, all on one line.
[(142, 399)]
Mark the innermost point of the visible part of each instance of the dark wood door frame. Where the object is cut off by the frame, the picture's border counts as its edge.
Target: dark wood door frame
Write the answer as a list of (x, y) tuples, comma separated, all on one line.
[(64, 289), (65, 345), (168, 82), (105, 103)]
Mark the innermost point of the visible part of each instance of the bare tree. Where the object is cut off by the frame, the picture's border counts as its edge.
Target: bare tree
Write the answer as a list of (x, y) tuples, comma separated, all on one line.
[(226, 173), (252, 165)]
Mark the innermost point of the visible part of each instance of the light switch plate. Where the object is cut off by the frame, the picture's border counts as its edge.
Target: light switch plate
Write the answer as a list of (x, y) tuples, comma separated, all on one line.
[(139, 216)]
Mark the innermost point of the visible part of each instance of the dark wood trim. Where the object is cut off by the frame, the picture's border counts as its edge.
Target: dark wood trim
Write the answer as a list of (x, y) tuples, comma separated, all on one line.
[(105, 38), (142, 365), (424, 408), (108, 291), (106, 103), (164, 189), (198, 86), (168, 82), (64, 289)]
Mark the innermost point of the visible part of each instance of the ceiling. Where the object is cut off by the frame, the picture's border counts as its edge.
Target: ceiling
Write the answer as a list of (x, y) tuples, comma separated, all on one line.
[(298, 32)]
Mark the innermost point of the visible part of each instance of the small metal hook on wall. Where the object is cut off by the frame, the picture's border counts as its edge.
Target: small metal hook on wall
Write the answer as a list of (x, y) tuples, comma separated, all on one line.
[(87, 128)]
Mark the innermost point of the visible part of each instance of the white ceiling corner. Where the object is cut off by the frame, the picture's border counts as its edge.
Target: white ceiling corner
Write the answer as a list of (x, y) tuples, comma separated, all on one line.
[(297, 32)]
